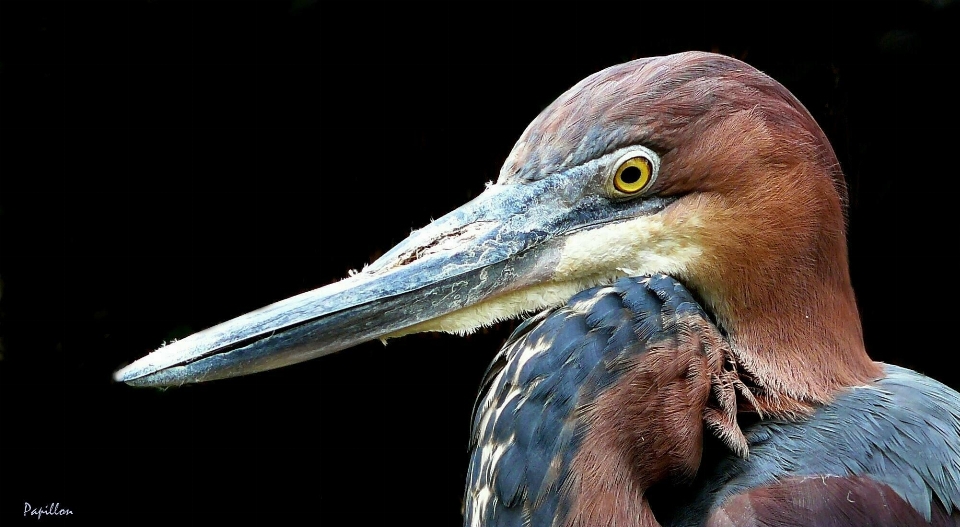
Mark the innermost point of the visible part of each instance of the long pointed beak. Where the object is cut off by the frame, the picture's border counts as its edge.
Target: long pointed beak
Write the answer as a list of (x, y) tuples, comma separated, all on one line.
[(509, 238), (490, 246)]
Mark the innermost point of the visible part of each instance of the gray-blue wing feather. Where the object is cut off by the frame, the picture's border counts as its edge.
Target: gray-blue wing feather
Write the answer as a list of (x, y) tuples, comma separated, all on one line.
[(902, 432)]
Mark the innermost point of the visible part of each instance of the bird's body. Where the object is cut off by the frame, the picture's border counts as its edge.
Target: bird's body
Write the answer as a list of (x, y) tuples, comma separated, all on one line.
[(700, 362), (881, 454)]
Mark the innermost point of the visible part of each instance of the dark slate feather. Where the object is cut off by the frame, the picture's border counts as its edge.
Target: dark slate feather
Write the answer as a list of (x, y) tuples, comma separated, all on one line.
[(526, 429)]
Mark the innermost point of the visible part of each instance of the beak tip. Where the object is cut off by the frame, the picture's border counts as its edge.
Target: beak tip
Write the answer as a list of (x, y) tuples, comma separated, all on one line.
[(140, 380), (122, 375), (154, 369), (126, 374), (138, 374)]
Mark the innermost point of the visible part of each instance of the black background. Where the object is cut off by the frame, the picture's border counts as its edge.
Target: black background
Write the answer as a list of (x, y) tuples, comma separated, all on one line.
[(167, 165)]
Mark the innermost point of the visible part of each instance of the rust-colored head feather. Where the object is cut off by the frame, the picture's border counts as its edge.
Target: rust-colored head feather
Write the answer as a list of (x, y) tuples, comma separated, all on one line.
[(761, 193)]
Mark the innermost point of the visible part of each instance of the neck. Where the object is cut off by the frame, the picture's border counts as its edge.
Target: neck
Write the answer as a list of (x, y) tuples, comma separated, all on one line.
[(802, 344), (790, 313)]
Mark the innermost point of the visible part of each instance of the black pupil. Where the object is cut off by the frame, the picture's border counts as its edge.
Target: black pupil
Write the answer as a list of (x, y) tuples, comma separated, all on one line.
[(631, 175)]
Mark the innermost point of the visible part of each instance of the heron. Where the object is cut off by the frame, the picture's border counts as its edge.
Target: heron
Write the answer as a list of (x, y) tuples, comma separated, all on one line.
[(674, 228)]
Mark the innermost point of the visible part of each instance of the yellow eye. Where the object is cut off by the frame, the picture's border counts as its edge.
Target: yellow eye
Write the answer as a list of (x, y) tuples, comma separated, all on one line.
[(633, 175)]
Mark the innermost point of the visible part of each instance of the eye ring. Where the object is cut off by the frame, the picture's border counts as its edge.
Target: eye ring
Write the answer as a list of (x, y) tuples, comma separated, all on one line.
[(633, 174)]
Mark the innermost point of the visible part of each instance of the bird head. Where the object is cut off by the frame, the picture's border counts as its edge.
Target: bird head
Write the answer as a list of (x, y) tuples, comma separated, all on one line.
[(693, 165)]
